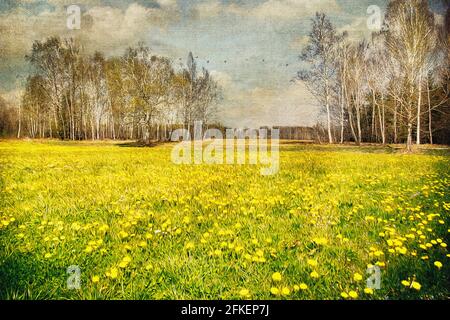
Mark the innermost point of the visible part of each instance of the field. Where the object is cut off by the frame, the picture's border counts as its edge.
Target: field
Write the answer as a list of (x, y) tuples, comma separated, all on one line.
[(140, 227)]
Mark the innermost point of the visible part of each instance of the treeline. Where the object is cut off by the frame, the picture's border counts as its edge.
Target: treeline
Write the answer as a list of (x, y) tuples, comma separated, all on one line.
[(137, 96), (392, 89)]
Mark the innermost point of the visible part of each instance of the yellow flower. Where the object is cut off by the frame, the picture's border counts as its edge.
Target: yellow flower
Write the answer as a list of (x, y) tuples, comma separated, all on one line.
[(244, 293), (438, 264), (416, 285), (406, 283), (314, 275), (303, 286), (189, 245), (353, 294), (276, 276), (123, 234), (125, 261), (357, 277), (47, 255), (274, 291), (95, 279), (368, 291), (312, 262), (285, 291), (113, 273), (344, 295), (142, 244)]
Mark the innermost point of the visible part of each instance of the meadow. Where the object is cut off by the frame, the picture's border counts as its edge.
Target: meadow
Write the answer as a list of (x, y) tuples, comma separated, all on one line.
[(140, 227)]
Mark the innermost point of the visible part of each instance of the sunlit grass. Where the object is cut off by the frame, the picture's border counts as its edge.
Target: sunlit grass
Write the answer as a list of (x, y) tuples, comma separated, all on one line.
[(140, 227)]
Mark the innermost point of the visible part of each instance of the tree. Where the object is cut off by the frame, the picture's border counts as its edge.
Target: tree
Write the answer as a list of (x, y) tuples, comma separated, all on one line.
[(410, 27), (320, 77)]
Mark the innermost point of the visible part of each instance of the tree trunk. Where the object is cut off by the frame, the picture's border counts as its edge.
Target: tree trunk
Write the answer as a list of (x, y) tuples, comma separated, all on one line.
[(430, 127), (419, 102)]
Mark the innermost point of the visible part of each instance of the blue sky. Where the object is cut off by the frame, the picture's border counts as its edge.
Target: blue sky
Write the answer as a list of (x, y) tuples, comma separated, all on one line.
[(251, 46)]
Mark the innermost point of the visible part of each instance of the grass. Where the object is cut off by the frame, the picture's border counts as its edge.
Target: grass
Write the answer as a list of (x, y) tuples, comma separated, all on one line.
[(149, 229)]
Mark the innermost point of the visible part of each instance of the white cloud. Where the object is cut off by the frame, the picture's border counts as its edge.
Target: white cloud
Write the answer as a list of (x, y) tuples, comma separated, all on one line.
[(270, 9)]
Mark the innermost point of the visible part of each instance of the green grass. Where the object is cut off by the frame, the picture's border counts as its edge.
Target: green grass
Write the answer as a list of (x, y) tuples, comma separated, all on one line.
[(209, 231)]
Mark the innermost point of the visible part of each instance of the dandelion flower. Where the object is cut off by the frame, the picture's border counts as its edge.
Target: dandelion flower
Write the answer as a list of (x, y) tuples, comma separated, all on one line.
[(276, 276), (416, 285), (274, 291), (244, 293), (312, 262), (357, 277), (285, 291), (368, 291), (95, 279), (303, 286), (353, 294), (344, 295), (314, 275), (406, 283), (438, 264)]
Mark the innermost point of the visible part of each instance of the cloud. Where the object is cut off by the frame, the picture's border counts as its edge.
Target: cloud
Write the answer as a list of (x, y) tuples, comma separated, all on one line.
[(269, 9), (290, 106), (103, 28)]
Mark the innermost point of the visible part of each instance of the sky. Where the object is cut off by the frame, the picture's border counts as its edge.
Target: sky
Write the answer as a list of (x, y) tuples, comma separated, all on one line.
[(251, 47)]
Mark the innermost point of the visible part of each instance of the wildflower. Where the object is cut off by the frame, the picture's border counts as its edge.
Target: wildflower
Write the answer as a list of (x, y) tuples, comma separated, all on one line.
[(95, 279), (416, 285), (357, 277), (438, 264), (368, 291), (285, 291), (244, 293), (113, 273), (274, 291), (314, 275), (353, 294), (47, 255), (189, 245), (312, 262), (344, 295), (406, 283), (276, 276), (303, 286), (142, 244)]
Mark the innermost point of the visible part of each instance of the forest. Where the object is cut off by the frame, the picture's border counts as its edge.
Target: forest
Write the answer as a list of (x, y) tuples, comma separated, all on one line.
[(391, 88)]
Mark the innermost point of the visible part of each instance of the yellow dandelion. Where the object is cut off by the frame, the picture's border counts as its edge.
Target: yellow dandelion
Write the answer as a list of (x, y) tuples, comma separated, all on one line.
[(244, 293), (285, 291), (368, 291), (438, 264), (314, 275), (276, 276), (275, 291), (357, 277), (416, 285), (406, 283), (303, 286), (312, 262)]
